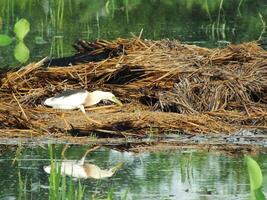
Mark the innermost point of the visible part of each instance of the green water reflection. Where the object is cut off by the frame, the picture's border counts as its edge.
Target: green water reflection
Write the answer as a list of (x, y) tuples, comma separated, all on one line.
[(56, 24), (162, 175)]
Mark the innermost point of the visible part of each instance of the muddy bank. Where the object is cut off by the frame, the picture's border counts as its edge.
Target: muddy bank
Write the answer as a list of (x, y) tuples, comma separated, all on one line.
[(165, 86), (243, 142)]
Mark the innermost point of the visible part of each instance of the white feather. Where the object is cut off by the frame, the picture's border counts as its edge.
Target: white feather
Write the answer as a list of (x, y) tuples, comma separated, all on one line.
[(67, 100)]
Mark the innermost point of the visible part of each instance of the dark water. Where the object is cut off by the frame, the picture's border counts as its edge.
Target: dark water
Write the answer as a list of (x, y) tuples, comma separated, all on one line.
[(162, 175), (56, 24)]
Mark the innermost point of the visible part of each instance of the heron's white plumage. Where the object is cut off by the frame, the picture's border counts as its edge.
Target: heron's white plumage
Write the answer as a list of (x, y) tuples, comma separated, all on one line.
[(73, 99), (67, 100)]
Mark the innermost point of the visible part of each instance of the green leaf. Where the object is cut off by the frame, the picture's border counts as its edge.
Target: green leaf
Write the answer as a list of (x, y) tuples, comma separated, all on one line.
[(258, 194), (21, 28), (254, 171), (255, 177), (5, 40), (21, 52)]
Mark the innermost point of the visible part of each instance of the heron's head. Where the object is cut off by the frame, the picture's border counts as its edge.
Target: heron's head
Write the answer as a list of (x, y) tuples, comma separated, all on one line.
[(100, 95)]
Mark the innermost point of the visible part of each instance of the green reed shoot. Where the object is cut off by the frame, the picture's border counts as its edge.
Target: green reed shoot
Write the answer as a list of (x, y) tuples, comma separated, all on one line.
[(61, 187)]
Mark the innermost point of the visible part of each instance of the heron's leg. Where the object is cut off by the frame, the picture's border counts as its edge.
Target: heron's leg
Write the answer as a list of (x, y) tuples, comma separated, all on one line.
[(82, 108), (88, 151), (91, 120)]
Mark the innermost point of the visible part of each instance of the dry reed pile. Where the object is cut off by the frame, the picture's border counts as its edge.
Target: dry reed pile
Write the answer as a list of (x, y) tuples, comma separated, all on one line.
[(165, 86)]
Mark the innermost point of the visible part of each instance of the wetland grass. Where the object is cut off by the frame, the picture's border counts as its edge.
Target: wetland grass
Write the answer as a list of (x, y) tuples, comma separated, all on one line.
[(22, 188), (22, 181), (98, 16), (61, 187)]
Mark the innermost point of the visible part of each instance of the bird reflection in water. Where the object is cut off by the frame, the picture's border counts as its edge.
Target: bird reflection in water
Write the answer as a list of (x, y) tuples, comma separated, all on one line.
[(80, 169)]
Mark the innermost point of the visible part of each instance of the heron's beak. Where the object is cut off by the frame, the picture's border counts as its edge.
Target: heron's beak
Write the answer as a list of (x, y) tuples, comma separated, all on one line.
[(117, 101), (116, 167)]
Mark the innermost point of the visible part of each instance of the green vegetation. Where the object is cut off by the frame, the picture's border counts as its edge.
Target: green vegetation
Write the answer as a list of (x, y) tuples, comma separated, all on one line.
[(21, 29), (57, 24), (255, 177), (110, 196), (201, 173), (22, 182), (22, 187), (61, 188), (5, 40)]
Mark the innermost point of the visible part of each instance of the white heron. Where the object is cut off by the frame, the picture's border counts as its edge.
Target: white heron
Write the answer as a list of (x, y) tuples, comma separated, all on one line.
[(79, 99)]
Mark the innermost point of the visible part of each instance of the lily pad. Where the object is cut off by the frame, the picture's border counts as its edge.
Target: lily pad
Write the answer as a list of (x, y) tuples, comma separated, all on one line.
[(21, 52), (21, 28), (5, 40)]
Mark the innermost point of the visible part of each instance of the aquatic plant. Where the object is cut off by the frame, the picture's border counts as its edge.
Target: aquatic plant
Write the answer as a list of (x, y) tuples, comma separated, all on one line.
[(21, 29), (110, 195), (22, 181), (5, 40), (22, 187), (59, 186), (56, 14), (213, 21), (255, 177)]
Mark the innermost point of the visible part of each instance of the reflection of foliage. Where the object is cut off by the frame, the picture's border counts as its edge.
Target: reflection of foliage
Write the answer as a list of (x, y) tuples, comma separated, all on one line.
[(211, 21), (146, 173), (194, 170), (1, 23)]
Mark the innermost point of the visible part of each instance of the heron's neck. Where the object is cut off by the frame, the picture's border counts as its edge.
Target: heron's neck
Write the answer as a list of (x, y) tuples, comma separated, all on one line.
[(91, 99)]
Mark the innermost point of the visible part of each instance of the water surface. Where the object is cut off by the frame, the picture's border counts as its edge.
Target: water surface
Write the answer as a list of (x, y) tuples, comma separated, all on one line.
[(56, 24), (187, 174)]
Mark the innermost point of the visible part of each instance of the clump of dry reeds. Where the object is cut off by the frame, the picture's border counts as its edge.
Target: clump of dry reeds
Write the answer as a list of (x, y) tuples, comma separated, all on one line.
[(165, 85)]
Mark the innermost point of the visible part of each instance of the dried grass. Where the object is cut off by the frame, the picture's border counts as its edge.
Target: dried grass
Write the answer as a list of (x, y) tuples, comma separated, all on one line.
[(165, 86)]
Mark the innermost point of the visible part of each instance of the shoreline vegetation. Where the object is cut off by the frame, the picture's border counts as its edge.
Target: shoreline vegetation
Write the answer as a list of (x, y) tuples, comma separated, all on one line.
[(165, 87)]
